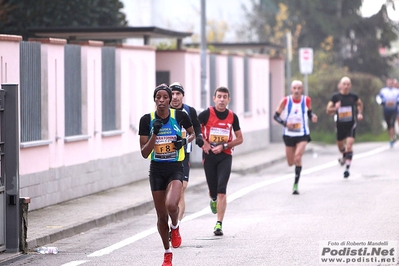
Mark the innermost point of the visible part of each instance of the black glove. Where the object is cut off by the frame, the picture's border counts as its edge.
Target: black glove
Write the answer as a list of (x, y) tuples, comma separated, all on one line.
[(179, 142), (199, 141), (156, 126)]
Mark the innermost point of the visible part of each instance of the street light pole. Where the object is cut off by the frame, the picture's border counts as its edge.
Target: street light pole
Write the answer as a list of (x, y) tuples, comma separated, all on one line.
[(203, 54), (288, 60)]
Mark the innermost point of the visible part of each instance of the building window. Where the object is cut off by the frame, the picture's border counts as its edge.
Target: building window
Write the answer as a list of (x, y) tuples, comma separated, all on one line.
[(108, 89), (246, 86), (30, 88), (73, 90), (212, 76), (230, 80), (162, 77)]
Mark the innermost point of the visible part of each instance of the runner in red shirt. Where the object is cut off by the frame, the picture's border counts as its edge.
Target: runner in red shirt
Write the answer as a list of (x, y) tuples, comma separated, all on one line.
[(218, 124)]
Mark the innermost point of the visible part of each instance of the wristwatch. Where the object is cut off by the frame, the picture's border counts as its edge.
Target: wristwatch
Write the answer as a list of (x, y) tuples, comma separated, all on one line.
[(225, 146)]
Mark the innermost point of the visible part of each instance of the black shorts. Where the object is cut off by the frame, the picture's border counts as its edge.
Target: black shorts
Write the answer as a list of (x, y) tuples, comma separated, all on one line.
[(217, 169), (293, 141), (186, 165), (390, 117), (161, 174), (345, 130)]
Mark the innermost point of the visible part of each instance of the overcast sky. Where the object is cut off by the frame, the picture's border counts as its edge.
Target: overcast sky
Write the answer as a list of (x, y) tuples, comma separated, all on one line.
[(370, 7), (184, 15)]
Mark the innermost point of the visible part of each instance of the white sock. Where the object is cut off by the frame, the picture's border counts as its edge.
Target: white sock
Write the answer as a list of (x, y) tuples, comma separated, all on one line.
[(175, 226), (168, 250)]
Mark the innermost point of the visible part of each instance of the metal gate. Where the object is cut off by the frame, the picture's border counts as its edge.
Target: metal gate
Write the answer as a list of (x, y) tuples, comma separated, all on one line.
[(2, 185), (9, 171)]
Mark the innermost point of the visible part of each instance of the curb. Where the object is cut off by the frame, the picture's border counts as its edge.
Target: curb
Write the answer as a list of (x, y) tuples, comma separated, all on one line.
[(101, 221), (8, 257)]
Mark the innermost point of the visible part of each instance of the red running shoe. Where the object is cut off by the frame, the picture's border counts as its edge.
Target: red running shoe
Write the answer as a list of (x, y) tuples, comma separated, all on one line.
[(175, 237), (167, 259)]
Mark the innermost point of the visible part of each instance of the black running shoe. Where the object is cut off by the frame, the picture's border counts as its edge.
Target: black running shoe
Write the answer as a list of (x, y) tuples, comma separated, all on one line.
[(218, 230), (346, 174)]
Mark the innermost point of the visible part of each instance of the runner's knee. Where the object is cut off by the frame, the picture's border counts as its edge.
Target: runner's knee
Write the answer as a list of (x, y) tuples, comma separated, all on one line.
[(163, 219), (349, 155)]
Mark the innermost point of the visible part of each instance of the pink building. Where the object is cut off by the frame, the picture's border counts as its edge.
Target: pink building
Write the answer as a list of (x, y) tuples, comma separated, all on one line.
[(81, 104)]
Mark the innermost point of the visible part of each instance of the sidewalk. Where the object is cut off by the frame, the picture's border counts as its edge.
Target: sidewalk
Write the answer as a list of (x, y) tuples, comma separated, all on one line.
[(70, 218)]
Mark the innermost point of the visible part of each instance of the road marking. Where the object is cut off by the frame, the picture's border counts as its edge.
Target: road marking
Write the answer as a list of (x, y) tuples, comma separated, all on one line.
[(123, 243), (75, 263), (253, 187), (240, 193)]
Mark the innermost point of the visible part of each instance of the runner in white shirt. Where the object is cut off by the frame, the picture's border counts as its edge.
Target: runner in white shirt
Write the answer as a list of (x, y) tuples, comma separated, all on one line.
[(297, 110), (388, 98)]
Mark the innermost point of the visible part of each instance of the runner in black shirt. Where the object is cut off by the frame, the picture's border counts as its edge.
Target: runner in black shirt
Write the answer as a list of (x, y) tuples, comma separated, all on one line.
[(177, 103), (161, 141), (347, 109)]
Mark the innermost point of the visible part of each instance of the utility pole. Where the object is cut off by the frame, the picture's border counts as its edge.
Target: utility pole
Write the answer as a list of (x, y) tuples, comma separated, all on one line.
[(203, 55), (288, 59)]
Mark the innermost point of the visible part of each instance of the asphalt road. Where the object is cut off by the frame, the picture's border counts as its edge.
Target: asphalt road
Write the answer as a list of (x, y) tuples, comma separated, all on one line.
[(264, 224)]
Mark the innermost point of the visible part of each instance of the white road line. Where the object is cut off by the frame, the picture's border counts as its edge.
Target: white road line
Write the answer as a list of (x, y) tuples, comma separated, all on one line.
[(75, 263), (372, 152), (334, 163), (123, 243), (230, 198), (253, 187)]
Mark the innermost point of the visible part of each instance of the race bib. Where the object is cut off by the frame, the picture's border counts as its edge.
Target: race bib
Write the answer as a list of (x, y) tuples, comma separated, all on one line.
[(218, 136), (164, 148), (345, 114), (296, 124)]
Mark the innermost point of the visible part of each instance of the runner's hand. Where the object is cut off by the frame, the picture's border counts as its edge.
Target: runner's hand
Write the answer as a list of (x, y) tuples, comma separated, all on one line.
[(199, 141), (179, 142), (156, 126)]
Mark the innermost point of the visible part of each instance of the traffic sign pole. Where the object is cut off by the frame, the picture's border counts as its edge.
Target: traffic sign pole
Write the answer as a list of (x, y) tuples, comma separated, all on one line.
[(306, 85), (306, 65)]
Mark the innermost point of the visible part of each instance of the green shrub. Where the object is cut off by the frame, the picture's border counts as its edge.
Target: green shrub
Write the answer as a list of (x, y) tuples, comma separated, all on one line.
[(323, 84), (323, 137), (329, 137)]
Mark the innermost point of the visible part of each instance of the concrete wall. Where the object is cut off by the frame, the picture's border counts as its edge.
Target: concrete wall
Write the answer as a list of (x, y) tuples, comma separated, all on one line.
[(9, 58), (276, 92)]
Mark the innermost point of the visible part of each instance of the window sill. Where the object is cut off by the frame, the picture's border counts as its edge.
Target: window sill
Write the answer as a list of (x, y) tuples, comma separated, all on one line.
[(112, 133), (248, 114), (76, 138), (36, 143)]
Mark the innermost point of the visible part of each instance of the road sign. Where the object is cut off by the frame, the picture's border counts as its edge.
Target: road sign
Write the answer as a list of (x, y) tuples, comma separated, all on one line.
[(306, 60)]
